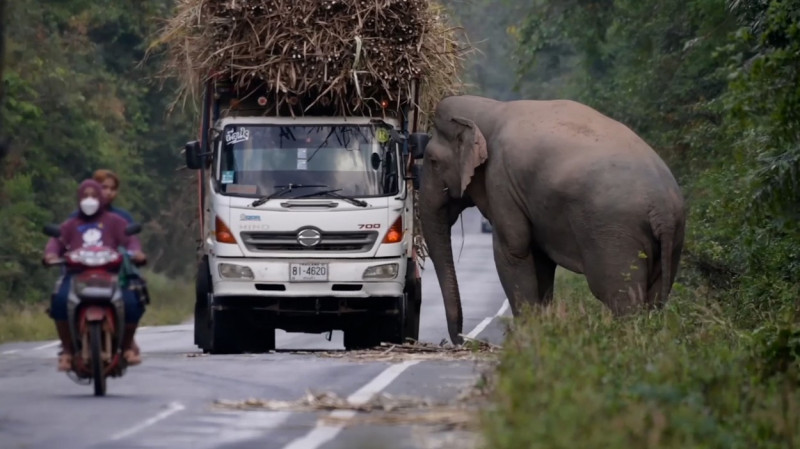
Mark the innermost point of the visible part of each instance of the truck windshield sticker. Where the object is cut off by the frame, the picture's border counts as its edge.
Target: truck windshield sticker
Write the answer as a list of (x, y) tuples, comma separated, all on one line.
[(242, 189), (302, 161), (235, 136), (382, 135), (227, 177)]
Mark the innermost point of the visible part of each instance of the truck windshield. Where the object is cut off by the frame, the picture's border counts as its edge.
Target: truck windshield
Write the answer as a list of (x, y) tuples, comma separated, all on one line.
[(258, 160)]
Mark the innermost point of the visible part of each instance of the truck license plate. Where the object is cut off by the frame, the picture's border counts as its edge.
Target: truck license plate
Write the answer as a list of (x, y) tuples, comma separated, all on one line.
[(308, 272)]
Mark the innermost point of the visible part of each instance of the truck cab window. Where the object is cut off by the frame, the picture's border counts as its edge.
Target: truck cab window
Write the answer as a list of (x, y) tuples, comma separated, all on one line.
[(254, 159)]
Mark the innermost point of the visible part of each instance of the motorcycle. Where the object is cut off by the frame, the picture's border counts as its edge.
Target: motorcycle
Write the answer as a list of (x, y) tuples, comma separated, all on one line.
[(95, 310)]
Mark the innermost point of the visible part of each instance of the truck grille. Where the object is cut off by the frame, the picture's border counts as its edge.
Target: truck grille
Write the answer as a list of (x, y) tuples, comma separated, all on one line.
[(330, 241)]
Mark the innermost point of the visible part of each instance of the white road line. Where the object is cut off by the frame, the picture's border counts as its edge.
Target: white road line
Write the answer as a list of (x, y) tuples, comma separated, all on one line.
[(52, 344), (482, 325), (10, 351), (503, 308), (172, 408), (323, 433)]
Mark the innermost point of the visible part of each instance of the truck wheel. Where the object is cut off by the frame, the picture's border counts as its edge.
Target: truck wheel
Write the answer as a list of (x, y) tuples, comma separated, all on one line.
[(203, 287), (362, 336), (260, 337), (396, 328), (222, 338)]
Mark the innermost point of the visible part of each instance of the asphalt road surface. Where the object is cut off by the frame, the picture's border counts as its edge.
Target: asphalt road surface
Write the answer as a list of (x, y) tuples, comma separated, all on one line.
[(169, 400)]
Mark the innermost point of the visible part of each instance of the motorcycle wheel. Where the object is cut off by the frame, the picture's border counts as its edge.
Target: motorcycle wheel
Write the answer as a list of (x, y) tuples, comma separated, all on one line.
[(95, 342)]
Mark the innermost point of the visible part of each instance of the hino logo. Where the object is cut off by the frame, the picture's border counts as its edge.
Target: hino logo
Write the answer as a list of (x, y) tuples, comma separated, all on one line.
[(309, 237)]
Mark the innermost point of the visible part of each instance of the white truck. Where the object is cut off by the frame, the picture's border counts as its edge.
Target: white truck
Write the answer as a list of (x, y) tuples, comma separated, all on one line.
[(307, 222)]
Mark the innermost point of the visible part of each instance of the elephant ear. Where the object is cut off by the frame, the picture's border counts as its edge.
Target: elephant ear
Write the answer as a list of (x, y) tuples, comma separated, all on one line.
[(471, 150)]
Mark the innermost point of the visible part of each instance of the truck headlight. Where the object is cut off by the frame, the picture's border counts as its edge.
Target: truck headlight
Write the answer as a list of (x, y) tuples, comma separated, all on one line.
[(233, 271), (386, 271)]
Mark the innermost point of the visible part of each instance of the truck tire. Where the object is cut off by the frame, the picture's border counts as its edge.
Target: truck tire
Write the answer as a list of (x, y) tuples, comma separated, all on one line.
[(203, 287), (222, 338), (404, 325), (364, 335), (396, 328), (260, 335)]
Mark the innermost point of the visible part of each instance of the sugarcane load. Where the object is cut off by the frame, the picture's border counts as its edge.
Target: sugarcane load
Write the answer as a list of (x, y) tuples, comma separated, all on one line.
[(312, 127), (348, 56)]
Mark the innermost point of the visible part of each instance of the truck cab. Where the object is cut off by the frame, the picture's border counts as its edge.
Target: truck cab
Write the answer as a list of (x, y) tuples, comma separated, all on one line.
[(307, 226)]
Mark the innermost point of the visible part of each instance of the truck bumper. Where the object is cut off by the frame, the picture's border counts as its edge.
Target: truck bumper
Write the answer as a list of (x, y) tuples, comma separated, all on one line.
[(271, 278)]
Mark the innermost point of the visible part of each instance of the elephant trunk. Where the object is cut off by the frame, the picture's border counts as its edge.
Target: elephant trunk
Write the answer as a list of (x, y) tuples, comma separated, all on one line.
[(437, 220)]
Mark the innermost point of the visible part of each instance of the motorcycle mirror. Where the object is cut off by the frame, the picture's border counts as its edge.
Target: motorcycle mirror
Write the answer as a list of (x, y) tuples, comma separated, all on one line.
[(52, 230), (133, 229), (418, 142)]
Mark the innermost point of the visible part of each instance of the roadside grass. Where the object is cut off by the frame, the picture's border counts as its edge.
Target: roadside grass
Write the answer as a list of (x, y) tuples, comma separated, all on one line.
[(25, 322), (572, 377), (172, 300), (172, 303)]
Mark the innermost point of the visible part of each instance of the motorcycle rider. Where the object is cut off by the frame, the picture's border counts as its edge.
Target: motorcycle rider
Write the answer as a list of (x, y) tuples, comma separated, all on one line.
[(110, 182), (94, 224)]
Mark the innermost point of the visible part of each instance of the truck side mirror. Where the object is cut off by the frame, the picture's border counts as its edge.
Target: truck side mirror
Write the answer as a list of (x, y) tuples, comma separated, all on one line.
[(193, 158), (418, 142)]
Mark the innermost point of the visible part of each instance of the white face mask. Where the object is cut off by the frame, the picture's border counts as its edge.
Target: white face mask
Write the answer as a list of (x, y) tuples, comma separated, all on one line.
[(90, 205)]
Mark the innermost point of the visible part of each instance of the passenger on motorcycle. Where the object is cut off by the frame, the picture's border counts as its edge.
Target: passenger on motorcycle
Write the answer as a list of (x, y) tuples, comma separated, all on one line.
[(110, 182), (93, 225)]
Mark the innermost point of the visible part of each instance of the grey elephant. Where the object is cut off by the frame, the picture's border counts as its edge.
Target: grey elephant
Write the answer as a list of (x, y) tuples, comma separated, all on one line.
[(561, 184)]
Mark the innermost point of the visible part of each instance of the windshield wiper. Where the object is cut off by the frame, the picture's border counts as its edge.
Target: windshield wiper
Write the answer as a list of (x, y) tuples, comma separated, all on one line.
[(283, 189), (332, 192)]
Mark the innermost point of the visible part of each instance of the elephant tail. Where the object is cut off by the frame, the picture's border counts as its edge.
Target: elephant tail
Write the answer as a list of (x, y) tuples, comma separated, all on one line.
[(666, 265)]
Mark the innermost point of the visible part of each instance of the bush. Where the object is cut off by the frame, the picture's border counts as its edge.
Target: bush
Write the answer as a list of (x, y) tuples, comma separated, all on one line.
[(684, 377)]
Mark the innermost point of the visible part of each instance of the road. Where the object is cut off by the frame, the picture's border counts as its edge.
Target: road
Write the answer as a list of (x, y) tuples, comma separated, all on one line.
[(169, 400)]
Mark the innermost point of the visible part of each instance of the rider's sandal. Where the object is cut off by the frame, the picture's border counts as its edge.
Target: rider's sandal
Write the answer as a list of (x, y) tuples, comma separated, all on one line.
[(64, 362), (131, 357)]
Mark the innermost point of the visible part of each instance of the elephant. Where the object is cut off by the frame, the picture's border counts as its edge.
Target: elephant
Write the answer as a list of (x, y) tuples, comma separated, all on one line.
[(562, 185)]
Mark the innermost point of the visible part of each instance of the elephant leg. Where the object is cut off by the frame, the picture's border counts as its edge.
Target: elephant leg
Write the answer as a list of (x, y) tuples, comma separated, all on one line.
[(517, 275), (619, 279), (655, 292), (545, 276), (526, 275)]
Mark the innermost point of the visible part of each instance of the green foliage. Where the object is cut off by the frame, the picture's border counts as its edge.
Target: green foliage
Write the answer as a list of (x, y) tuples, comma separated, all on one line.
[(489, 70), (644, 63), (684, 377), (712, 85), (78, 99)]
